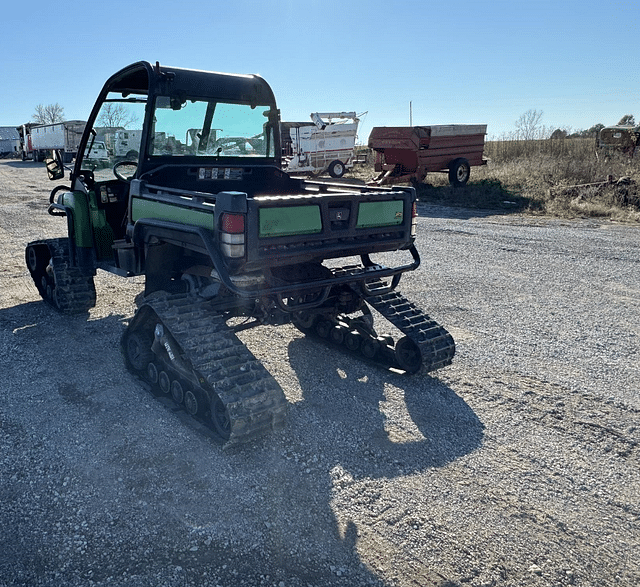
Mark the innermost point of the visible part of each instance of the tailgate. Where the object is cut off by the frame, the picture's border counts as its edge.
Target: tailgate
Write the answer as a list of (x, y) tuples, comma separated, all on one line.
[(299, 228)]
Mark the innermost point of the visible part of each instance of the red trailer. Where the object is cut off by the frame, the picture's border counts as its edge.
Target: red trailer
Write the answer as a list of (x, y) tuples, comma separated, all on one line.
[(408, 153)]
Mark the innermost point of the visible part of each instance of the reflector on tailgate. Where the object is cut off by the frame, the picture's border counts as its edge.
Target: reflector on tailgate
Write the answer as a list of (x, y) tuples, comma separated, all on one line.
[(289, 220), (387, 213)]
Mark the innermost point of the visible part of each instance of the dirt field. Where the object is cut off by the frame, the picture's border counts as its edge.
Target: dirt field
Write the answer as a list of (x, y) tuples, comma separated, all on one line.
[(518, 465)]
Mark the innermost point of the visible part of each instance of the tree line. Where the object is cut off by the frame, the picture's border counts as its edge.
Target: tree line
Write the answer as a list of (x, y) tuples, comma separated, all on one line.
[(529, 127), (112, 115)]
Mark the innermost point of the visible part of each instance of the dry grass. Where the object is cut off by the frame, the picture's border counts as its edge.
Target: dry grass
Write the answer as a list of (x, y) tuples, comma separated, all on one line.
[(530, 176)]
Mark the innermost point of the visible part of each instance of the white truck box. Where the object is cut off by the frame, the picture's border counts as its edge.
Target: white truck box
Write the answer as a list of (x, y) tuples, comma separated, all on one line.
[(324, 145)]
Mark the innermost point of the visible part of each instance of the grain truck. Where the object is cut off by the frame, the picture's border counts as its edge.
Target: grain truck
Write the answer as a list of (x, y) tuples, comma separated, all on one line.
[(64, 137)]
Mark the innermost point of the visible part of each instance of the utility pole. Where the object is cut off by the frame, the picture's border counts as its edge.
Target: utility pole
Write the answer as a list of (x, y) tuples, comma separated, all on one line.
[(410, 113)]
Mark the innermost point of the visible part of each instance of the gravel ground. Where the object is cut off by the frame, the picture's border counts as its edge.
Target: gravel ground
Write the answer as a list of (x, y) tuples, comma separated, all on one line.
[(517, 465)]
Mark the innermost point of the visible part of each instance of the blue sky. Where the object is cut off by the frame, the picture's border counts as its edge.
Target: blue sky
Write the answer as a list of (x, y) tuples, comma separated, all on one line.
[(475, 62)]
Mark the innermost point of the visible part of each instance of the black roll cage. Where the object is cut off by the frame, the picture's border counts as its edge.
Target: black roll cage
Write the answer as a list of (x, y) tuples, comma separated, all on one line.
[(142, 78)]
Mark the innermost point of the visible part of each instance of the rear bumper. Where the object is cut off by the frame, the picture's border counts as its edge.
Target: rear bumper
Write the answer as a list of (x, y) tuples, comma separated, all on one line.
[(202, 239)]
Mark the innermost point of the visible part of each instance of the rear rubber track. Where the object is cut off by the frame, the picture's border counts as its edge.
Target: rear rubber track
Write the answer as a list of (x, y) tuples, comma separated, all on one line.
[(436, 345), (425, 346), (224, 369)]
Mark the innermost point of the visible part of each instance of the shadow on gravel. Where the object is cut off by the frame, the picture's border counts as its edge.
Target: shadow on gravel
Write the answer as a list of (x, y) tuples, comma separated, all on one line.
[(369, 423), (443, 427), (37, 335), (18, 163)]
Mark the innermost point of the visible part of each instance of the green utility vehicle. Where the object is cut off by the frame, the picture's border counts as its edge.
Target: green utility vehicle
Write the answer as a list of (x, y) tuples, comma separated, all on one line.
[(219, 231)]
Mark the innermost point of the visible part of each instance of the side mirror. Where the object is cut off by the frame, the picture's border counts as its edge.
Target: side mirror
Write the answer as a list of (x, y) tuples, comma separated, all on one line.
[(55, 169)]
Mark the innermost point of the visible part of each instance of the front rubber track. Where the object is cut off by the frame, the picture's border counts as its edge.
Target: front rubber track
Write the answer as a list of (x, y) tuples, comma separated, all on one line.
[(58, 282)]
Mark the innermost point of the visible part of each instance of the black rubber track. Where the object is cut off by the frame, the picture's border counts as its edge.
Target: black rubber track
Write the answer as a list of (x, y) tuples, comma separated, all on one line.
[(436, 345), (220, 363), (72, 292), (431, 344)]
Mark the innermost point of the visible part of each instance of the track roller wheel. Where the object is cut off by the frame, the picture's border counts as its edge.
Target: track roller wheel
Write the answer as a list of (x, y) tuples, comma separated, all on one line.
[(220, 419), (152, 372), (164, 382), (369, 347), (323, 328), (408, 355), (304, 320), (191, 403), (137, 349), (353, 340), (177, 393), (337, 334)]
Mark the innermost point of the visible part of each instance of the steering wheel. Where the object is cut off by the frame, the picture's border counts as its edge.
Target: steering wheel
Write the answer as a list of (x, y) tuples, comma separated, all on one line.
[(119, 164)]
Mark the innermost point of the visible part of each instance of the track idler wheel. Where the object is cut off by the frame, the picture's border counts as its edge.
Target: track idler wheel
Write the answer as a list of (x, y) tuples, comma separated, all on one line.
[(137, 348), (220, 419), (304, 321), (34, 259), (408, 355)]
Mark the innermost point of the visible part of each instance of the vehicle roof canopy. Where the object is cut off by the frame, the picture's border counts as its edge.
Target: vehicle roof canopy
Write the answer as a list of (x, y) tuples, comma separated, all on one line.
[(144, 78)]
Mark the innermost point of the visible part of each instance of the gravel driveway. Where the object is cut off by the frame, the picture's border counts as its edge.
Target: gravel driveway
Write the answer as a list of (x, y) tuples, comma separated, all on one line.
[(517, 465)]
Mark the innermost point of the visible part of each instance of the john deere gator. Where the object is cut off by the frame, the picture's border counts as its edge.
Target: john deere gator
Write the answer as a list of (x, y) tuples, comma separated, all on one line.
[(202, 208)]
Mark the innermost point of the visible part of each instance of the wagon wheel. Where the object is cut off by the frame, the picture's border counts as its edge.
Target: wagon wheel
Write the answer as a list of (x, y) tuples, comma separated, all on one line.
[(336, 169), (459, 172)]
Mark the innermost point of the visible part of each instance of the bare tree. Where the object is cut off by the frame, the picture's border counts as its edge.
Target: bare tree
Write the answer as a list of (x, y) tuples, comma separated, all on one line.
[(627, 120), (49, 114), (528, 126), (115, 115), (594, 130)]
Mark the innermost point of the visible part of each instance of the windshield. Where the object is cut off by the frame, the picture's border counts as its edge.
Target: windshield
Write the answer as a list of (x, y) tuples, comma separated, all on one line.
[(117, 131), (201, 128), (181, 127)]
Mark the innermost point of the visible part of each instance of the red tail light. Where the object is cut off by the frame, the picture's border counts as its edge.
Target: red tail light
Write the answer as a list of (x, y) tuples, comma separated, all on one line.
[(232, 235), (232, 223)]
